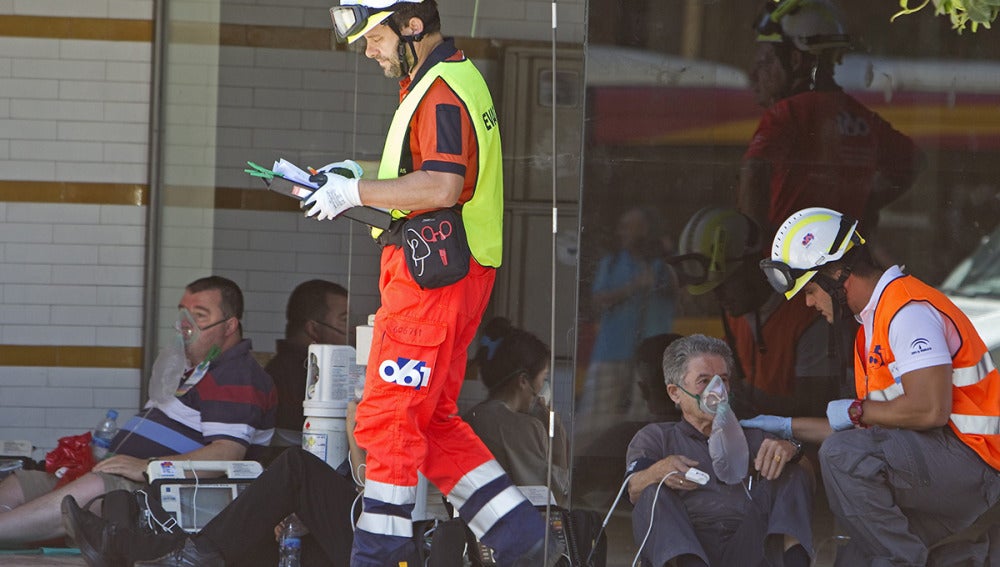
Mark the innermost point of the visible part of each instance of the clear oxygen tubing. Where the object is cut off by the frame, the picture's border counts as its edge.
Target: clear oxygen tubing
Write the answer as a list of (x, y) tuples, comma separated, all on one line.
[(652, 511), (552, 291)]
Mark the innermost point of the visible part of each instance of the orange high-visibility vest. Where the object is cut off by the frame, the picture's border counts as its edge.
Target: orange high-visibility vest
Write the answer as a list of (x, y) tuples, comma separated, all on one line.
[(975, 382)]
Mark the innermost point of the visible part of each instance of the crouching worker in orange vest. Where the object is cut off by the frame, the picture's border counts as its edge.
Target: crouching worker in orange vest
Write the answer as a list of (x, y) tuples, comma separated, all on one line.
[(913, 459)]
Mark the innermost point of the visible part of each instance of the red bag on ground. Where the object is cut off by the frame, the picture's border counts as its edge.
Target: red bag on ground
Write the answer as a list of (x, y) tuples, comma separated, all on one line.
[(71, 459)]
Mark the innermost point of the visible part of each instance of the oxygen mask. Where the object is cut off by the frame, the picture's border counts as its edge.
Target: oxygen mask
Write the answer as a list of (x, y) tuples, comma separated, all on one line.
[(189, 329), (186, 327), (545, 393), (542, 400), (714, 396)]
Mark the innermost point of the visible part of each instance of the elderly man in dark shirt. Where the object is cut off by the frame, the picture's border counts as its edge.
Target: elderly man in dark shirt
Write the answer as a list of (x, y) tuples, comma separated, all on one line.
[(765, 520)]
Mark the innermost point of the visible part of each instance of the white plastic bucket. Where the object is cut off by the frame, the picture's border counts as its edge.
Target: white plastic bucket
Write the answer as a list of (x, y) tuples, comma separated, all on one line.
[(326, 436)]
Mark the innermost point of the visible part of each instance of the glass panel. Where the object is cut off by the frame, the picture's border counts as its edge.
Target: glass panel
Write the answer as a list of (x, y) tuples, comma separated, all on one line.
[(686, 109), (655, 109), (262, 81), (189, 117)]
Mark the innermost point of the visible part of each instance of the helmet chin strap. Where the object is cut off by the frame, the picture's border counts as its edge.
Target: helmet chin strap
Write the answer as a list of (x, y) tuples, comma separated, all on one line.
[(838, 296), (404, 41), (404, 63)]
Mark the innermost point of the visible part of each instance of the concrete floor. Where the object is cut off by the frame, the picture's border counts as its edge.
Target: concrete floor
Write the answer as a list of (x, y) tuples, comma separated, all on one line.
[(38, 560), (621, 548)]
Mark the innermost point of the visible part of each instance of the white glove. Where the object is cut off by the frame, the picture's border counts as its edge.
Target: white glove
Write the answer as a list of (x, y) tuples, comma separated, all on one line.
[(335, 196), (348, 164), (836, 413)]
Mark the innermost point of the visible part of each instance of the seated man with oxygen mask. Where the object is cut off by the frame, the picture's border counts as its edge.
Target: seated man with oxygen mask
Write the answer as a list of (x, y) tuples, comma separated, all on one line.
[(695, 503), (213, 403)]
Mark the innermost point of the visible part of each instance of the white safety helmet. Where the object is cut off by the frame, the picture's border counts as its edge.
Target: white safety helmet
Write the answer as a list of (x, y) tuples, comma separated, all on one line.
[(354, 18), (714, 242), (809, 25), (806, 241)]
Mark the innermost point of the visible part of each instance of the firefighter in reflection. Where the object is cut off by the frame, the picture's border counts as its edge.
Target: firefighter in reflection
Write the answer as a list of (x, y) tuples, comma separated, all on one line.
[(816, 145)]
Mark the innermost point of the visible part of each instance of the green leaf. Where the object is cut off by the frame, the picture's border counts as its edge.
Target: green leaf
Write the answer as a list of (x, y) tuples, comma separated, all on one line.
[(962, 13), (905, 5)]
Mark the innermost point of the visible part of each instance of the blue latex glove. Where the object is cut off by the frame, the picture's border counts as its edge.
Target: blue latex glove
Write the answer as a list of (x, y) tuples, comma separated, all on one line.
[(773, 424), (836, 413)]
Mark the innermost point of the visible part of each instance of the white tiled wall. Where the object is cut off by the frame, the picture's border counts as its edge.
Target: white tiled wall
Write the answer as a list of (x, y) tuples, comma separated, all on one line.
[(43, 404), (70, 110)]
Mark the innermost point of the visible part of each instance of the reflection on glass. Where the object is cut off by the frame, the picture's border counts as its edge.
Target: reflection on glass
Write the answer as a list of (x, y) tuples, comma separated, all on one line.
[(633, 298), (691, 106), (815, 145), (671, 103)]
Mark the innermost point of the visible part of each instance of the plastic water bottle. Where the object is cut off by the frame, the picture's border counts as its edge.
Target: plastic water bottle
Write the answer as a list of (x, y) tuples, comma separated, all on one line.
[(290, 548), (105, 432)]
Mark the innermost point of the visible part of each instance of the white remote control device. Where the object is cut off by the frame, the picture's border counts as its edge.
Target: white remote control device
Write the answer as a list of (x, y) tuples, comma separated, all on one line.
[(696, 476)]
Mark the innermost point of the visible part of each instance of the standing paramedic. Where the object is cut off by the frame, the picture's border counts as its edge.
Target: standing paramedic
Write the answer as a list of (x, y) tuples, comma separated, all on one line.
[(913, 459), (442, 156)]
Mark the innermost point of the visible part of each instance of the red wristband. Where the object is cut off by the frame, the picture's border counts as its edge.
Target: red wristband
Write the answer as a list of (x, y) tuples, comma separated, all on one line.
[(855, 412)]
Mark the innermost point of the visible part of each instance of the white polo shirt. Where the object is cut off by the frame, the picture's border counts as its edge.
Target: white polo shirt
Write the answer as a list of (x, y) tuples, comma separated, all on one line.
[(919, 335)]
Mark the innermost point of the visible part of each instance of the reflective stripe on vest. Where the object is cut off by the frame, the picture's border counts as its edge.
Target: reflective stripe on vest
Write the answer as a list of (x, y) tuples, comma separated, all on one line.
[(482, 215), (960, 377), (970, 375), (975, 416), (981, 424)]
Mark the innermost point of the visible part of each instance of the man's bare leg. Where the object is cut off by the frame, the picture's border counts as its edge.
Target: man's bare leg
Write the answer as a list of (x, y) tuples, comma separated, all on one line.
[(11, 495), (41, 518)]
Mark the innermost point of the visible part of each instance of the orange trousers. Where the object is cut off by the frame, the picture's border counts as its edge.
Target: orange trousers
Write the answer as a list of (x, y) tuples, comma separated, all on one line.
[(407, 420)]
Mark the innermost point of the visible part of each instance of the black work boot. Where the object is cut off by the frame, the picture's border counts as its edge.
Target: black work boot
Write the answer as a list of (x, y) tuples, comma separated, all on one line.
[(187, 555), (537, 556), (108, 544), (90, 533)]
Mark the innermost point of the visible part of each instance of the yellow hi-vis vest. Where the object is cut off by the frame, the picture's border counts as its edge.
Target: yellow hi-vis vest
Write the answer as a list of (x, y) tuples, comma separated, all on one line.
[(975, 383), (482, 215)]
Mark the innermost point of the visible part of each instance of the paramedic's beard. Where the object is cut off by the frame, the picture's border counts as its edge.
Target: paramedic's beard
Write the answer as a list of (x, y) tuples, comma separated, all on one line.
[(391, 68)]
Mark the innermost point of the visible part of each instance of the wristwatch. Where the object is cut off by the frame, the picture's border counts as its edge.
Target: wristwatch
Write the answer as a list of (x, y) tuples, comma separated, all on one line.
[(798, 451), (855, 412)]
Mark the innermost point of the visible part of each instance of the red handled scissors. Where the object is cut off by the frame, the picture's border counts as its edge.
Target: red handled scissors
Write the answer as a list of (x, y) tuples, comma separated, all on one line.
[(442, 233)]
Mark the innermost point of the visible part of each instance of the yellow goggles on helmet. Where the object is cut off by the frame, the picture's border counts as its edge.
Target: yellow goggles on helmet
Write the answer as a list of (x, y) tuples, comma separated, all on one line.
[(352, 22), (769, 27)]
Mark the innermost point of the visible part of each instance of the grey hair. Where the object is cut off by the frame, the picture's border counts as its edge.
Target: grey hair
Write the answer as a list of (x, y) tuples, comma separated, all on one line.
[(680, 352)]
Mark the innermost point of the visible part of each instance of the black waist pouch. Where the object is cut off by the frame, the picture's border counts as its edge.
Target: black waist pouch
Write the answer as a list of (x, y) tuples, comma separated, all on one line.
[(437, 250)]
